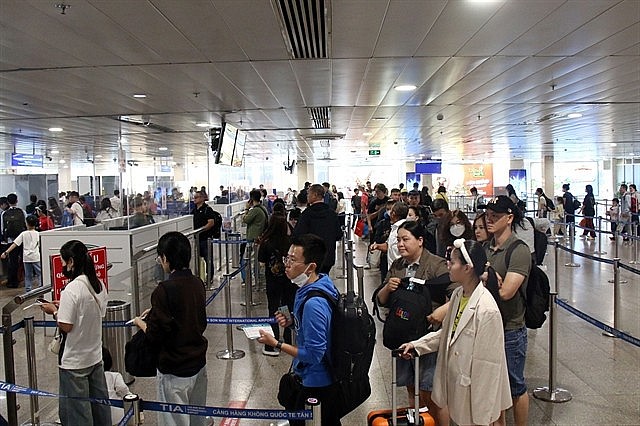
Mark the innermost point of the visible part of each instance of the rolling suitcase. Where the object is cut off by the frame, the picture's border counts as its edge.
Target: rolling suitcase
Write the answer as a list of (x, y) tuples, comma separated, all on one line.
[(403, 416)]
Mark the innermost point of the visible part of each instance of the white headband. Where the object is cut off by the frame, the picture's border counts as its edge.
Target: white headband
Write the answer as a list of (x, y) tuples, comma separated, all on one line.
[(459, 244)]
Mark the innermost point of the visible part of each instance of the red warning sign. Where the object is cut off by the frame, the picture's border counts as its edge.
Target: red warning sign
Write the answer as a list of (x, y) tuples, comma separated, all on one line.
[(99, 256)]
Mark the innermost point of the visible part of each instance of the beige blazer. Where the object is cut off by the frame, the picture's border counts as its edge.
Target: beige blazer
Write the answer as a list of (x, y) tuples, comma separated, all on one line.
[(471, 375)]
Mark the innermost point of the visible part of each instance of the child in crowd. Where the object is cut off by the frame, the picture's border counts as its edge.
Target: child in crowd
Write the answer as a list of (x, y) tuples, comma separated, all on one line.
[(115, 385), (30, 242), (558, 217), (614, 215)]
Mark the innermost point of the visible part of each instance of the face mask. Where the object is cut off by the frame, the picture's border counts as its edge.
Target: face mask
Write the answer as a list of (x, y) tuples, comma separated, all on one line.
[(411, 219), (301, 279), (67, 273), (457, 230)]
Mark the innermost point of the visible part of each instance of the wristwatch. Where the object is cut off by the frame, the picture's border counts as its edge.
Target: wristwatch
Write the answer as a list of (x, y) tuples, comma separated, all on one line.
[(279, 344)]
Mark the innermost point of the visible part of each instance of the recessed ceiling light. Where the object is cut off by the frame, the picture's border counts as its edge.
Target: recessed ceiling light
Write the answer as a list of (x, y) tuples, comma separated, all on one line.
[(55, 151), (163, 148), (203, 124), (613, 144), (367, 134), (405, 88), (66, 166), (55, 129), (574, 115), (139, 95), (61, 161), (97, 156)]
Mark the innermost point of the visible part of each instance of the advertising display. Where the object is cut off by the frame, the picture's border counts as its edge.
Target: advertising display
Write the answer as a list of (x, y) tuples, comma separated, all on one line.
[(411, 179), (480, 176), (518, 178), (99, 256)]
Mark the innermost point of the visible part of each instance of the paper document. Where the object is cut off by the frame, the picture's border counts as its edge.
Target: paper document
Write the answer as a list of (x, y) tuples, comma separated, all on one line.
[(252, 331)]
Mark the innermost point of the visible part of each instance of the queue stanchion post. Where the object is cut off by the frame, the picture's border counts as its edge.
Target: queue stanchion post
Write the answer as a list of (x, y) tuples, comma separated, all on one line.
[(600, 251), (314, 405), (32, 373), (129, 401), (210, 263), (360, 275), (552, 393), (616, 297), (343, 258), (248, 293), (9, 364), (219, 256), (572, 235), (556, 264), (230, 353), (634, 256)]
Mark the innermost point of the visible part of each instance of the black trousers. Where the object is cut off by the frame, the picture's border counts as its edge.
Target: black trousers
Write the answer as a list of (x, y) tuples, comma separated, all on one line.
[(15, 262), (280, 291), (326, 396)]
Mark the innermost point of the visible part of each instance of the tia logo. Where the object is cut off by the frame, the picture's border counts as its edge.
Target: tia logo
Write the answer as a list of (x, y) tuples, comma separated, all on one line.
[(402, 314)]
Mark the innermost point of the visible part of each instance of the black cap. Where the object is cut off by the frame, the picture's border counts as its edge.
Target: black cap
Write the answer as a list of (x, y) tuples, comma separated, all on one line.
[(501, 204)]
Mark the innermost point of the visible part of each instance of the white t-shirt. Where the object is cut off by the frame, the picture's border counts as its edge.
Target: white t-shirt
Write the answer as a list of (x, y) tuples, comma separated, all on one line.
[(78, 214), (83, 346), (392, 243), (30, 242), (117, 389), (525, 233)]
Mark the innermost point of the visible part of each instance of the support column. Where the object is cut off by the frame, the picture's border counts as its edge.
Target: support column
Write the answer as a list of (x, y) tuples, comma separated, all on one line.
[(548, 174)]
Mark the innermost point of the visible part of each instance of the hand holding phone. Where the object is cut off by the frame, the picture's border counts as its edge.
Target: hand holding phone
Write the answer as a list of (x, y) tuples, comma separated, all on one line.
[(284, 310), (42, 300)]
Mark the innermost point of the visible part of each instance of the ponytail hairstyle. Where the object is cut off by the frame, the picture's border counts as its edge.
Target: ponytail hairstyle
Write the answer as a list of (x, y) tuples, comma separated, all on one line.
[(82, 262)]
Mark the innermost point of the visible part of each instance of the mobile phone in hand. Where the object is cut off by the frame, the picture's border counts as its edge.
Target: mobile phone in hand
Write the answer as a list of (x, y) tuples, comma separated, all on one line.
[(284, 310), (42, 300)]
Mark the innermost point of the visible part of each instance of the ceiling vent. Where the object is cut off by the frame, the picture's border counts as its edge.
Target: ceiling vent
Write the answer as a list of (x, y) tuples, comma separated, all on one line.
[(305, 27), (143, 121), (320, 117)]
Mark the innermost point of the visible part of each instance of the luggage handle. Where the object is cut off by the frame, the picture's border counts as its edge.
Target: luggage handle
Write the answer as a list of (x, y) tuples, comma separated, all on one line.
[(397, 353)]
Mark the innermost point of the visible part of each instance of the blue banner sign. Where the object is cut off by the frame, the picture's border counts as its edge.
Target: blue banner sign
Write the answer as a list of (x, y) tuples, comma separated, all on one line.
[(26, 160)]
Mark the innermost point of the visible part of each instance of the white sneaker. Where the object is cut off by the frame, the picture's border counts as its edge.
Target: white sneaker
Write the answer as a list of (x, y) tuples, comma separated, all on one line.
[(272, 352)]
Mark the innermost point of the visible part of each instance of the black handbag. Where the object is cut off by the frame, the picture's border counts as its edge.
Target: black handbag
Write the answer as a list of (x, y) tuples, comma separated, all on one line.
[(140, 358), (289, 390)]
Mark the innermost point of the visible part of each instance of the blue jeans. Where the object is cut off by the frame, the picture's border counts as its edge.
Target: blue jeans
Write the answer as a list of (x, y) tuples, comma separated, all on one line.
[(88, 383), (515, 345), (182, 390), (31, 270)]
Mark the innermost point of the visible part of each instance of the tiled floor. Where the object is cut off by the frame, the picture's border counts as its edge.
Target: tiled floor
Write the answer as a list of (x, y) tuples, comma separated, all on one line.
[(602, 374)]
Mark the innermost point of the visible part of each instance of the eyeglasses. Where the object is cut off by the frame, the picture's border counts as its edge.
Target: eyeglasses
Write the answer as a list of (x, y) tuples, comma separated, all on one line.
[(289, 261)]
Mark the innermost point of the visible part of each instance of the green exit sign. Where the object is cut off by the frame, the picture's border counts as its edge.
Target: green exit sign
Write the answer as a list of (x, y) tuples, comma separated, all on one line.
[(374, 152)]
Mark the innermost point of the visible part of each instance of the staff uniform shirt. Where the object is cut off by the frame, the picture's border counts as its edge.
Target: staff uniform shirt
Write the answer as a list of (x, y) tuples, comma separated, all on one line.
[(30, 242), (520, 262), (83, 344)]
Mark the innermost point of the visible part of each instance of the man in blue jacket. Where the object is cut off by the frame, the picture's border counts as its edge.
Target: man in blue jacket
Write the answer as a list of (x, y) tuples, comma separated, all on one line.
[(313, 329)]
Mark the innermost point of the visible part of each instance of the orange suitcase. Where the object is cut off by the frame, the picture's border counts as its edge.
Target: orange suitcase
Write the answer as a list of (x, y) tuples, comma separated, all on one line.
[(403, 416)]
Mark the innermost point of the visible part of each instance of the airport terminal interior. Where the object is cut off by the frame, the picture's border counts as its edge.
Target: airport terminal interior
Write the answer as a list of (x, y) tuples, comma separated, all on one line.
[(161, 97)]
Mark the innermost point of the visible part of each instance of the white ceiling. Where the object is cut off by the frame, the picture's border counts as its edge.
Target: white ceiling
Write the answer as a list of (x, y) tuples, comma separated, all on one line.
[(502, 74)]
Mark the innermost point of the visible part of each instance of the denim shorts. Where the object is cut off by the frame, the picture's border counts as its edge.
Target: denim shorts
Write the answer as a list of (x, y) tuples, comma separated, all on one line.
[(406, 371), (515, 345)]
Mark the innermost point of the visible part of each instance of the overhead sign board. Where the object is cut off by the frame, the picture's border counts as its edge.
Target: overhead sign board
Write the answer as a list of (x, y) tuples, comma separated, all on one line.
[(99, 256), (26, 160), (374, 152)]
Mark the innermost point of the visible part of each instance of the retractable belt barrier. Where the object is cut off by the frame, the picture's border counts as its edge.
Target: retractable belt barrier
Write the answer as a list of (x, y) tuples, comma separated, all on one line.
[(193, 410)]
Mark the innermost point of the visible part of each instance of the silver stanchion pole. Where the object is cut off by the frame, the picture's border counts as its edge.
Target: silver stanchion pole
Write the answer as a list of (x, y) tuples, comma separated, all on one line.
[(229, 353), (210, 263), (220, 256), (226, 254), (248, 294), (616, 297), (572, 235), (394, 397), (349, 226), (342, 250), (634, 259), (360, 275), (29, 333), (551, 393), (600, 251), (132, 400), (313, 404), (556, 265)]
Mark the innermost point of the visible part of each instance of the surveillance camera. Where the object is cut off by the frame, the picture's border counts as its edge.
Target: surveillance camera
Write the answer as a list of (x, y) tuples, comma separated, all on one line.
[(266, 158), (440, 117), (115, 160), (395, 142)]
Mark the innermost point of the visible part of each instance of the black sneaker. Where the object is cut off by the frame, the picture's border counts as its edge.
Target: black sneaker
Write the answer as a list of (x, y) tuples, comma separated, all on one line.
[(270, 351)]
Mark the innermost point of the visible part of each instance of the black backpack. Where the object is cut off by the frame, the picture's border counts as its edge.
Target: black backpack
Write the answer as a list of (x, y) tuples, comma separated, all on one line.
[(540, 243), (217, 224), (13, 222), (353, 339), (408, 307), (89, 219), (536, 295), (550, 205)]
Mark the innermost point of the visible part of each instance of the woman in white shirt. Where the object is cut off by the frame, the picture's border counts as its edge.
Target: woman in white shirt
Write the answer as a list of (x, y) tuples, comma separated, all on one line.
[(79, 313)]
